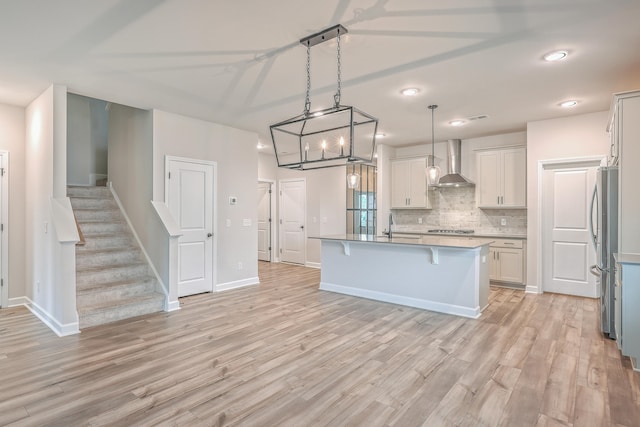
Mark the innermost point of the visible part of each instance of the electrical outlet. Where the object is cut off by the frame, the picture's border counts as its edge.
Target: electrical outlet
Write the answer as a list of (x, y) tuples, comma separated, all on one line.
[(503, 221), (239, 265), (420, 220)]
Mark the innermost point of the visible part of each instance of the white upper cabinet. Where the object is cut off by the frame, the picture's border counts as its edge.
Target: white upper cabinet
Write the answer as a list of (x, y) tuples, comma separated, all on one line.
[(409, 184), (502, 178), (624, 126)]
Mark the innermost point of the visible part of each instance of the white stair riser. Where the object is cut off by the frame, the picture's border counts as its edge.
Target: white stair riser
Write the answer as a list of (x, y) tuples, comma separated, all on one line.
[(121, 312), (110, 275), (107, 259), (114, 293)]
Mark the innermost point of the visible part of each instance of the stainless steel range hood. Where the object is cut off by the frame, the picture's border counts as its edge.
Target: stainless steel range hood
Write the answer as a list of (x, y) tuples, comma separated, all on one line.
[(454, 178)]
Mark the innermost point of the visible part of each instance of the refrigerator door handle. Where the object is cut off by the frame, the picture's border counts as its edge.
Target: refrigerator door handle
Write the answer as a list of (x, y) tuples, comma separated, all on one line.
[(592, 232), (595, 270)]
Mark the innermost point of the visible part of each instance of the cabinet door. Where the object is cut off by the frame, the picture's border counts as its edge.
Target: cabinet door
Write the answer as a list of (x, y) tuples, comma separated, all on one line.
[(514, 177), (399, 181), (510, 265), (418, 184), (493, 264), (488, 188)]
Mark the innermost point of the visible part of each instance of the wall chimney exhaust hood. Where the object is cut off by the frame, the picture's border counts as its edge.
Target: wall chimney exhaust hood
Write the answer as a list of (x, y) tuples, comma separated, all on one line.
[(454, 178)]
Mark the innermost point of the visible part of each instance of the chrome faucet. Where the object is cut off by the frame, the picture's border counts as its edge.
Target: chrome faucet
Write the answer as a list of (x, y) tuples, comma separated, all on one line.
[(390, 224)]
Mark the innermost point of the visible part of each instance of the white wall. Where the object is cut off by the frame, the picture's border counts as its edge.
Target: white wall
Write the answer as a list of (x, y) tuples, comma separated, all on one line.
[(87, 122), (50, 289), (12, 140), (78, 134), (130, 170), (570, 137), (235, 154)]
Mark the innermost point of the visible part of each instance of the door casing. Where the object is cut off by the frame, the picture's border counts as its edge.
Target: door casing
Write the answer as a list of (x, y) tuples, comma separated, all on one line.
[(543, 165), (281, 215), (271, 185), (168, 160)]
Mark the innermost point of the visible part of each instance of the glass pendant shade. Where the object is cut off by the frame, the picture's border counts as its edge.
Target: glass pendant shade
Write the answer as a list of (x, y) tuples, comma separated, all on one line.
[(353, 180), (433, 171), (433, 175)]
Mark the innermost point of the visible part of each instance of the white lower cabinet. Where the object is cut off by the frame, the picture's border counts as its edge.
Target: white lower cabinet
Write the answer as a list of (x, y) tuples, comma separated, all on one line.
[(627, 299), (507, 261)]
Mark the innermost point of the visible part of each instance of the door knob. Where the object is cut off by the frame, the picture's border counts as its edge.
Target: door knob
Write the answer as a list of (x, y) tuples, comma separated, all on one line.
[(302, 227), (209, 235)]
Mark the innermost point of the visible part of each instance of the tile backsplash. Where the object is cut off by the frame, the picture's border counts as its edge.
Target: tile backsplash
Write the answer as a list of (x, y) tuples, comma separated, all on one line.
[(456, 208)]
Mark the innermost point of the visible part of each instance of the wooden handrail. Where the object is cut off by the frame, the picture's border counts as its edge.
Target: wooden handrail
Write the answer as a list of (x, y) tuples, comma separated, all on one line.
[(80, 235)]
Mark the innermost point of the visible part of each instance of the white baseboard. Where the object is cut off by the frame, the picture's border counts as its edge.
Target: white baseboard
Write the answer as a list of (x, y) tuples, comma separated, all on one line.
[(60, 329), (472, 313), (312, 264), (14, 302), (172, 306), (237, 284), (532, 290)]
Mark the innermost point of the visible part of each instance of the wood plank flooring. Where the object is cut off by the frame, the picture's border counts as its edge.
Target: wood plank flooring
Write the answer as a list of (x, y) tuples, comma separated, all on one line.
[(286, 354)]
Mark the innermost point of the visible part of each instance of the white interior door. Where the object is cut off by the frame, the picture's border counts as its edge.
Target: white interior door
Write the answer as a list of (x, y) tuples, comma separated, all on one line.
[(567, 253), (292, 219), (264, 221), (190, 200)]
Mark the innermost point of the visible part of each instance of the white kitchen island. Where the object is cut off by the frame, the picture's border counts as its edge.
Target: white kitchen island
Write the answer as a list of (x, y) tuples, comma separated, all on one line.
[(444, 274)]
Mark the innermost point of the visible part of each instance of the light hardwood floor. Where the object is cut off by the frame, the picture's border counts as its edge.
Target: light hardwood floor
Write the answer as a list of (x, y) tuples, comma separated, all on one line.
[(286, 354)]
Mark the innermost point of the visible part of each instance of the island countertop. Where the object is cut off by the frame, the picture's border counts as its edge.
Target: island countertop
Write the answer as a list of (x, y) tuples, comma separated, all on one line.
[(424, 240)]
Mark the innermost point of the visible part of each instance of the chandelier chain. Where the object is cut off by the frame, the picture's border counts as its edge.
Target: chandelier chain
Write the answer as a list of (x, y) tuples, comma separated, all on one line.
[(307, 100), (336, 97)]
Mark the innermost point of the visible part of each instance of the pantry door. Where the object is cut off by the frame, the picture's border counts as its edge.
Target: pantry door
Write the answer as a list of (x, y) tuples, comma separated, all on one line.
[(292, 220), (567, 252), (190, 199), (264, 221)]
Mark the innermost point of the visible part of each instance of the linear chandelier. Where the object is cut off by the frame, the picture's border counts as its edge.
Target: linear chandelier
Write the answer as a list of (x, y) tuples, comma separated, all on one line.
[(328, 137)]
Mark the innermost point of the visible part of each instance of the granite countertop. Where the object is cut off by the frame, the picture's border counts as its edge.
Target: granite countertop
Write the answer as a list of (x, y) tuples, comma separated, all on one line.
[(460, 242), (623, 258), (480, 234)]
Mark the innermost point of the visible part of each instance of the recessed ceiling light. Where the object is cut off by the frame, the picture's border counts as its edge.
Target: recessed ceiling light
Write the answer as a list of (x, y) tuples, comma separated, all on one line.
[(556, 55), (380, 135), (457, 122), (568, 104), (260, 146), (410, 91), (318, 113)]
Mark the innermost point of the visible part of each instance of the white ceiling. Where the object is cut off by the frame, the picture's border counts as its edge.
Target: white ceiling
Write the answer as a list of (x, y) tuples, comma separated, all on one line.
[(240, 63)]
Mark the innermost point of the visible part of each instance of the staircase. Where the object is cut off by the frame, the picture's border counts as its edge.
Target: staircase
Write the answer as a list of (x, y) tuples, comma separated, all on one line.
[(113, 280)]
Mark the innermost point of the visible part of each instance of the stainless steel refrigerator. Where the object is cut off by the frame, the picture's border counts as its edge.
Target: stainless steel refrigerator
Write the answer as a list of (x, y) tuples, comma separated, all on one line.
[(604, 235)]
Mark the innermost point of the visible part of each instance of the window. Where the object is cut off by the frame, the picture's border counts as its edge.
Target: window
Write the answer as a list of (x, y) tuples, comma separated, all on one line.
[(361, 201)]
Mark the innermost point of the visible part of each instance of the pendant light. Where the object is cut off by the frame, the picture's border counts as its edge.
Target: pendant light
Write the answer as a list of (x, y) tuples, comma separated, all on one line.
[(353, 180), (433, 171), (336, 136)]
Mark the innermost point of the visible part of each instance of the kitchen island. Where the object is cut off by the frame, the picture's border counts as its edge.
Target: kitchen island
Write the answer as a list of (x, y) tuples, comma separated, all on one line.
[(444, 274)]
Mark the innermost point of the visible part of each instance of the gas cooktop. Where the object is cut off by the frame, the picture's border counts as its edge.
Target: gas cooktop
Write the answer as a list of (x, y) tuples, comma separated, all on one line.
[(451, 231)]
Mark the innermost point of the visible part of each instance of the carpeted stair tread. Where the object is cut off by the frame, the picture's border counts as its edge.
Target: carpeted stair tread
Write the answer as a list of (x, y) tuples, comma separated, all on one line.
[(121, 302)]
